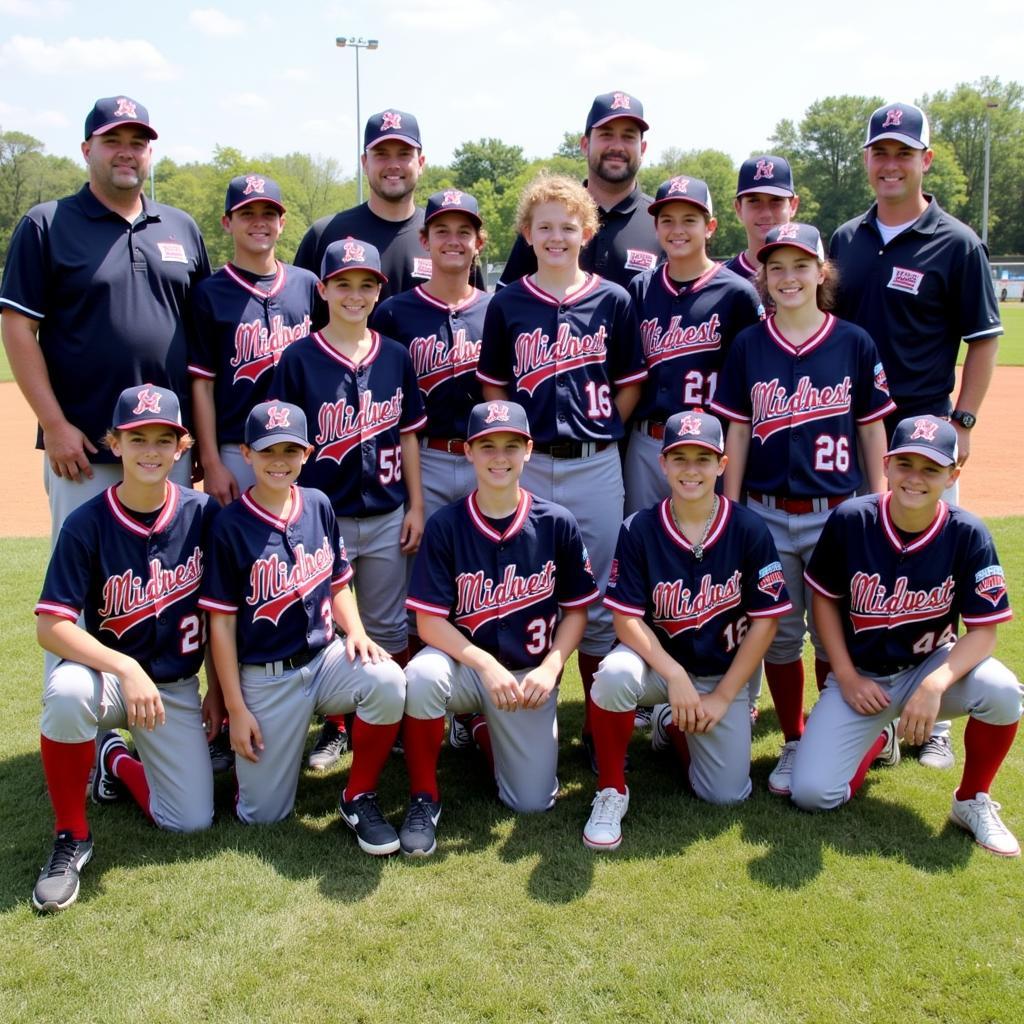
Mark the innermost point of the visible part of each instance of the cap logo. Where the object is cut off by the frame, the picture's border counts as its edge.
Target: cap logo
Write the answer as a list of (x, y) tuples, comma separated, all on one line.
[(690, 425), (788, 231), (354, 253), (893, 118), (497, 412), (277, 417), (390, 120), (678, 186), (765, 170), (254, 183), (620, 101), (148, 401), (925, 430), (125, 108), (453, 197)]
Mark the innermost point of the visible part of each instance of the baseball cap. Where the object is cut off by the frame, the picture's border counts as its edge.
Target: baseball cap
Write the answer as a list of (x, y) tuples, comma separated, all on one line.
[(610, 105), (770, 174), (113, 111), (351, 254), (901, 121), (694, 426), (929, 436), (799, 236), (391, 124), (451, 200), (682, 189), (495, 417), (250, 188), (272, 422), (144, 404)]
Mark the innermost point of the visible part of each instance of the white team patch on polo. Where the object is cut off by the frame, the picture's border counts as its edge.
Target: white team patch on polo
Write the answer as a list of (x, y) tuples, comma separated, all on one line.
[(172, 252), (422, 267), (640, 259), (904, 280)]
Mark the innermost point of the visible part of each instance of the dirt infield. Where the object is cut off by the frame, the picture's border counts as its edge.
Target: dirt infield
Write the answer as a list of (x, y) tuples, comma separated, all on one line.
[(993, 483)]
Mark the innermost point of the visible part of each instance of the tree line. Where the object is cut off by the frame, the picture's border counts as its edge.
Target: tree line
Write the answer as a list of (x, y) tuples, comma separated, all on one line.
[(824, 148)]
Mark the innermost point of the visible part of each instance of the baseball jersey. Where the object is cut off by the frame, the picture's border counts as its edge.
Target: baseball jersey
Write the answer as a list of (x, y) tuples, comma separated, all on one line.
[(916, 297), (560, 358), (686, 329), (698, 608), (900, 595), (502, 584), (111, 299), (278, 577), (444, 343), (137, 584), (804, 405), (741, 266), (625, 244), (357, 415), (241, 325)]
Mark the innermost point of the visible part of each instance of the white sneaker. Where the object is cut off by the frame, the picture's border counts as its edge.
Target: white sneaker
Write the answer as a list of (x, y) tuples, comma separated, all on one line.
[(661, 719), (980, 817), (889, 755), (603, 830), (937, 752), (782, 775)]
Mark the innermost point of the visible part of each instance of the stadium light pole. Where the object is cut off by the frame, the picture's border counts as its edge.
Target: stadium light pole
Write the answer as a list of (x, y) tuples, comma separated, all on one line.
[(990, 105), (357, 43)]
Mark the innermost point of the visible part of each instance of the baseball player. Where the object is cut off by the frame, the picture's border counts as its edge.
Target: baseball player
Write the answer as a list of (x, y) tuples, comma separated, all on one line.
[(764, 200), (696, 590), (565, 345), (277, 582), (806, 394), (130, 563), (500, 588), (918, 280), (893, 576), (690, 308)]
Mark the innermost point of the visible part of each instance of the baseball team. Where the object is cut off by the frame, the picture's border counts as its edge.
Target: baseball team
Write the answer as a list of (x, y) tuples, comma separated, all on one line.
[(420, 499)]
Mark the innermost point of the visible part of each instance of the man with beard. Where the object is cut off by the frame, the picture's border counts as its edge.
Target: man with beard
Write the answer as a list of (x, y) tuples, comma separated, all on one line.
[(625, 243)]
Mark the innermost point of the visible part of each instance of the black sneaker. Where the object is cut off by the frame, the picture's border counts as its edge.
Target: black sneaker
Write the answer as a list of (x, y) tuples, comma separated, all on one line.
[(57, 884), (222, 757), (330, 745), (105, 787), (417, 834), (373, 832)]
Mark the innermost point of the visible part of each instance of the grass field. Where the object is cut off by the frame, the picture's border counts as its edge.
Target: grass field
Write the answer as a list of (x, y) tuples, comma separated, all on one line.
[(758, 913)]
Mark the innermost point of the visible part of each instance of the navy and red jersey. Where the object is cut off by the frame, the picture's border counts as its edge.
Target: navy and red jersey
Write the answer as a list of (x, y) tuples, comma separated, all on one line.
[(241, 325), (561, 359), (136, 580), (501, 583), (741, 266), (444, 343), (686, 329), (278, 577), (901, 596), (698, 608), (804, 405), (357, 415)]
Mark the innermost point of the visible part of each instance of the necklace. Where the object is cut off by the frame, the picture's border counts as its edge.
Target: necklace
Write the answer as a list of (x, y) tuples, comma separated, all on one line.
[(698, 548)]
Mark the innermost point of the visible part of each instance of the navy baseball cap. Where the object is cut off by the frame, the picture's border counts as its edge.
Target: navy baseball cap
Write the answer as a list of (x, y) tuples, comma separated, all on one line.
[(693, 427), (496, 417), (929, 436), (251, 188), (351, 254), (451, 200), (143, 405), (769, 174), (682, 189), (391, 124), (799, 236), (901, 121), (610, 105), (272, 422), (113, 111)]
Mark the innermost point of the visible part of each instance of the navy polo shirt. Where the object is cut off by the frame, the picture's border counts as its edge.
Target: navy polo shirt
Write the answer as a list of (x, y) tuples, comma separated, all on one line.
[(111, 299), (625, 245), (916, 297)]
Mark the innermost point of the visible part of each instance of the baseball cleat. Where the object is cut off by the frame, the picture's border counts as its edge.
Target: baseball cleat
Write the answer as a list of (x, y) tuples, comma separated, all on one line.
[(57, 885), (889, 755), (603, 830), (980, 817), (105, 787), (459, 736), (782, 775), (373, 832), (417, 834), (661, 719), (222, 757), (937, 752), (642, 718), (331, 743)]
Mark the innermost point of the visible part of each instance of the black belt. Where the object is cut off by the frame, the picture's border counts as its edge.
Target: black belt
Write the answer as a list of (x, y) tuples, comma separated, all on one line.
[(571, 449), (276, 668)]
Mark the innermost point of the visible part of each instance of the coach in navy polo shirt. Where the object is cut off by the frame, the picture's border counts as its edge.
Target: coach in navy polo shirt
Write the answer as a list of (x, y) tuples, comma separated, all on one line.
[(625, 243), (94, 298)]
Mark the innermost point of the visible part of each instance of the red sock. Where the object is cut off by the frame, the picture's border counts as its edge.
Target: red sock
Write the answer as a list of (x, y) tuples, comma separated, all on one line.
[(985, 749), (371, 745), (422, 738), (821, 671), (678, 740), (869, 759), (132, 776), (786, 685), (481, 733), (588, 666), (338, 720), (66, 767), (612, 732)]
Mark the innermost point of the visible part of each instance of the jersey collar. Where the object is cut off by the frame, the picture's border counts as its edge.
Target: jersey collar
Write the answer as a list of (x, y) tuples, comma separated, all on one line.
[(814, 341), (748, 267), (479, 520), (675, 534), (328, 349), (261, 293), (425, 296), (926, 224), (587, 288), (688, 287), (125, 518), (923, 539), (254, 508)]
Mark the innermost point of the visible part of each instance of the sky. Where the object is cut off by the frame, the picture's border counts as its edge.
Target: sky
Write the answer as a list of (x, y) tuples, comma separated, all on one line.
[(267, 78)]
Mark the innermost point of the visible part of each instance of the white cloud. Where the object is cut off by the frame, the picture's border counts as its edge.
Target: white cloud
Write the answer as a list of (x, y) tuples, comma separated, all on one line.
[(213, 22), (454, 15), (295, 74), (28, 9), (242, 101), (74, 56)]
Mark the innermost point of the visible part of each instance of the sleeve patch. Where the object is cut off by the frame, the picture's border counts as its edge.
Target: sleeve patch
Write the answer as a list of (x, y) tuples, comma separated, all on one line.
[(770, 580), (990, 583)]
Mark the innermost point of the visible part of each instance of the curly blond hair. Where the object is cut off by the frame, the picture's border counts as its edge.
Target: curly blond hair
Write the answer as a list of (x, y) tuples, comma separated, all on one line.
[(557, 188)]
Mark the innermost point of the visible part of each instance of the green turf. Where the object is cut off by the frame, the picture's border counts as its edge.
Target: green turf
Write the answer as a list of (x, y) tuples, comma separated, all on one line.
[(757, 913)]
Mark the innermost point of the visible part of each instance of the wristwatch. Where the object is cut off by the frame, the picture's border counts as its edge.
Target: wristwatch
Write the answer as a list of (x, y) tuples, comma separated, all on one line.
[(965, 419)]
